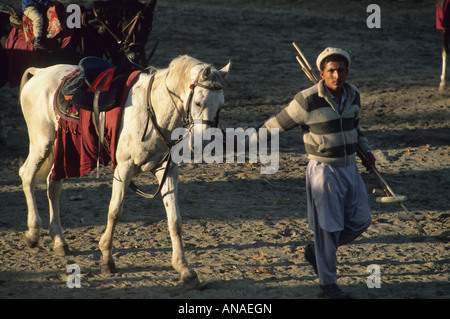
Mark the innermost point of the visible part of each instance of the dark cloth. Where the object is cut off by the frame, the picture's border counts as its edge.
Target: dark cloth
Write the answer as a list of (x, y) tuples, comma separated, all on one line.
[(21, 55)]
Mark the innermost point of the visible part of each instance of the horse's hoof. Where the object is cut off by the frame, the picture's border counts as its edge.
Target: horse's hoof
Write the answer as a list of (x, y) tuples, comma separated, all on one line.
[(32, 240), (61, 251), (108, 269), (190, 280)]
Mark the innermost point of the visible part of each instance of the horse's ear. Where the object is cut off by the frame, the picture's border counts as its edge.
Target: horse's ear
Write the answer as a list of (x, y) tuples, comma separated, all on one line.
[(150, 4), (225, 70), (206, 73)]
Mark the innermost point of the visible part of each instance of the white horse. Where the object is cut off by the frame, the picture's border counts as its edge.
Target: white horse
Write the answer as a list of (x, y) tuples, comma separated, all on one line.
[(188, 91)]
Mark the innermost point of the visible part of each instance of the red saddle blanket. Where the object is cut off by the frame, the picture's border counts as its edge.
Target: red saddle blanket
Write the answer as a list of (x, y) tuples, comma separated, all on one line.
[(77, 146)]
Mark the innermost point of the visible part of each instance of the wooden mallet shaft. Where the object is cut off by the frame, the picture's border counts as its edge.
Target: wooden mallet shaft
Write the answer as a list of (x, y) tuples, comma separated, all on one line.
[(306, 62), (308, 74)]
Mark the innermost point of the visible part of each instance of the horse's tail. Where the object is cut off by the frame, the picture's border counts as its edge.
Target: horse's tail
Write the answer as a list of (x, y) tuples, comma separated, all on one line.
[(27, 75)]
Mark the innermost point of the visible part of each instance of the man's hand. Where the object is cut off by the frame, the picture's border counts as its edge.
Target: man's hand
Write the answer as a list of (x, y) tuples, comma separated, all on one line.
[(369, 160)]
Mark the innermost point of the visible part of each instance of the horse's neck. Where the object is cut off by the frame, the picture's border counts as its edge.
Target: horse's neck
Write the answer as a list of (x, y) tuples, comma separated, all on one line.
[(167, 106)]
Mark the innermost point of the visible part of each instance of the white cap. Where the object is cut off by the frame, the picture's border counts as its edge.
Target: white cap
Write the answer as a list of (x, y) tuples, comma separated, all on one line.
[(330, 51)]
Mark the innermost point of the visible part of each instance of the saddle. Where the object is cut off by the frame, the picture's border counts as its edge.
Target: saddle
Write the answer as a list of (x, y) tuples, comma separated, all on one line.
[(97, 84)]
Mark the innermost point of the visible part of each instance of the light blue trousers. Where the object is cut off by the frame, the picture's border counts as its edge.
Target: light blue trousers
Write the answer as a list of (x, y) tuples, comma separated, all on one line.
[(338, 212)]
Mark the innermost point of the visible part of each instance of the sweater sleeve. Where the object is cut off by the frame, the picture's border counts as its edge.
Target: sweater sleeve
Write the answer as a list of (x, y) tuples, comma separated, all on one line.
[(288, 118), (362, 140)]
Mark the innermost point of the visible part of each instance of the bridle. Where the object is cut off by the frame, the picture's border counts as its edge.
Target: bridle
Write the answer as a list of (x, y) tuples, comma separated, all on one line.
[(125, 44), (188, 122)]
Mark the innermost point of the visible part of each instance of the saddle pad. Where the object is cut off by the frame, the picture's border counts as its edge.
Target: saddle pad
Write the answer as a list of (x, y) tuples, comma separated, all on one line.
[(63, 105)]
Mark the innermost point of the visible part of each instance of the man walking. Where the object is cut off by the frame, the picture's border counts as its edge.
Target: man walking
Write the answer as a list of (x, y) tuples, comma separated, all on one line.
[(338, 206)]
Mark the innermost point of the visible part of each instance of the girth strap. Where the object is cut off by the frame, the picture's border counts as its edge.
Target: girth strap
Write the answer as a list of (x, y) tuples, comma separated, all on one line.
[(98, 118)]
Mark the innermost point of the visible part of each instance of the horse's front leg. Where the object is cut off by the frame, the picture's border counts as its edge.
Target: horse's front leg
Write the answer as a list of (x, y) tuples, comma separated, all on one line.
[(121, 181), (169, 195)]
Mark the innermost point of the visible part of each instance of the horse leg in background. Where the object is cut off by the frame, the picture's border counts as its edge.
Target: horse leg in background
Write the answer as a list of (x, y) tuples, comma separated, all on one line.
[(54, 188), (121, 181), (445, 49), (188, 276)]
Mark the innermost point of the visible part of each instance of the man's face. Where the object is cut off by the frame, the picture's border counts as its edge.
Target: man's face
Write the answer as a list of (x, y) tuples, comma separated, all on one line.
[(334, 74)]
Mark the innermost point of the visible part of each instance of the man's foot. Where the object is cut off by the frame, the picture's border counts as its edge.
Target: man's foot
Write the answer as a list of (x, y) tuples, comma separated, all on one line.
[(332, 291), (310, 256)]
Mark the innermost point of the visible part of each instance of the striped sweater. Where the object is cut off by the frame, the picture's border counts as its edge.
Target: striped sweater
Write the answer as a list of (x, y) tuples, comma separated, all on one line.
[(330, 137)]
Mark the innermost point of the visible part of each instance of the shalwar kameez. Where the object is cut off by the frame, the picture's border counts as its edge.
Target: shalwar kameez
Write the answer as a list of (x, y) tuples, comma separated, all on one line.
[(337, 200)]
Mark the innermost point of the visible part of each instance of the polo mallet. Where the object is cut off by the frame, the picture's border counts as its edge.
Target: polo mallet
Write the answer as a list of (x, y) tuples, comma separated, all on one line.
[(305, 65), (387, 195)]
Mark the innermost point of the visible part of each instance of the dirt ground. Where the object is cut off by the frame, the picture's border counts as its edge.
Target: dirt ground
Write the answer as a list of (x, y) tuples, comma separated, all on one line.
[(243, 231)]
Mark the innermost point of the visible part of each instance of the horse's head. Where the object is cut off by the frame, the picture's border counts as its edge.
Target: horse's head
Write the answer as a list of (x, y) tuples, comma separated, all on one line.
[(200, 88), (206, 94), (125, 26)]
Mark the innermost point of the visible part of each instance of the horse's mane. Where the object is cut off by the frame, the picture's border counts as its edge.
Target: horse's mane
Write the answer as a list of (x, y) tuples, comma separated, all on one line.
[(179, 74), (179, 71)]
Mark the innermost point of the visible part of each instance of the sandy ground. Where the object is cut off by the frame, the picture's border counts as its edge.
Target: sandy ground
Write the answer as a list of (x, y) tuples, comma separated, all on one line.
[(243, 231)]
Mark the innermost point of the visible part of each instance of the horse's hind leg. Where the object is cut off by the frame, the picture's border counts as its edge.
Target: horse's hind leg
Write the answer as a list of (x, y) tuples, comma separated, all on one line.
[(36, 164), (54, 188)]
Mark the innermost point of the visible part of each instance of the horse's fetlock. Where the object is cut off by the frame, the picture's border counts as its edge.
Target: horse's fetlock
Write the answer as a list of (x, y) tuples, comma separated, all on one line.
[(31, 237)]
